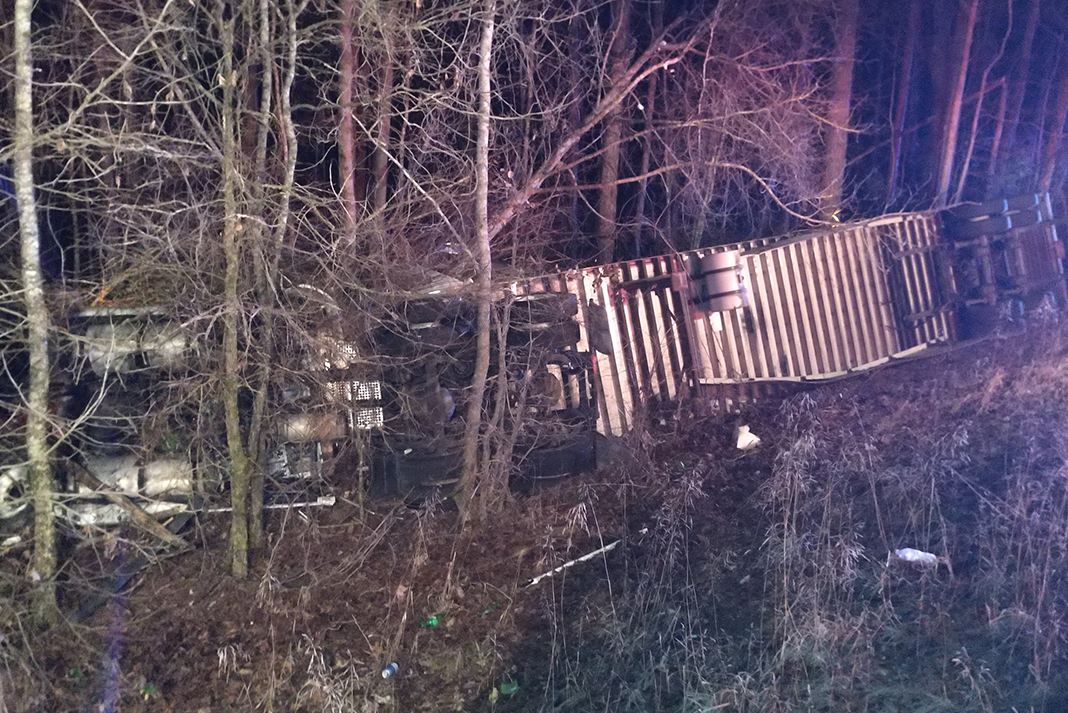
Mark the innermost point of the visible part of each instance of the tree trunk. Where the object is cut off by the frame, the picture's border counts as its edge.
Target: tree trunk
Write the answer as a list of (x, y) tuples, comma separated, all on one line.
[(385, 119), (977, 113), (610, 140), (264, 282), (1019, 85), (904, 84), (836, 139), (647, 149), (951, 117), (43, 562), (999, 132), (350, 157), (484, 278), (1048, 165), (240, 467)]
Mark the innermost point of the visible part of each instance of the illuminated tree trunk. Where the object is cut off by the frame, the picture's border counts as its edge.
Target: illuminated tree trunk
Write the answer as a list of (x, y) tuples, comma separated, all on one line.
[(240, 465), (901, 107), (610, 140), (1048, 164), (951, 117), (43, 562), (1018, 88), (349, 150), (836, 139), (484, 278)]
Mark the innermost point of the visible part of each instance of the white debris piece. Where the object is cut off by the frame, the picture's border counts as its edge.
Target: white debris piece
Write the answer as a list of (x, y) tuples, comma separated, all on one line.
[(747, 440), (907, 554)]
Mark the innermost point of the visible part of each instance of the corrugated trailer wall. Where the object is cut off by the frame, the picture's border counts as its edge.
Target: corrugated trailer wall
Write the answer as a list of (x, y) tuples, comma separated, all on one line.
[(815, 306), (823, 304)]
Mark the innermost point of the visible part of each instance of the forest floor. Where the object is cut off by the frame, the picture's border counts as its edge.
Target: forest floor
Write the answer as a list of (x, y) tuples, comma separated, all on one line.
[(743, 581)]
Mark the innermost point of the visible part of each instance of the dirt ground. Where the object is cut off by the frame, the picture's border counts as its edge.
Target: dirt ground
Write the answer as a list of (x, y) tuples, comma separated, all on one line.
[(342, 593), (338, 597)]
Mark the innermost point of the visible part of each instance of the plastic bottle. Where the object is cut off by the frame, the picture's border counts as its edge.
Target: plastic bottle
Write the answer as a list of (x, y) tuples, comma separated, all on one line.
[(390, 670)]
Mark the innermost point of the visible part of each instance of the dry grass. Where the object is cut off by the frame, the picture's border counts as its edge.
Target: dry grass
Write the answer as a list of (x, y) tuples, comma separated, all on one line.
[(965, 458), (744, 582)]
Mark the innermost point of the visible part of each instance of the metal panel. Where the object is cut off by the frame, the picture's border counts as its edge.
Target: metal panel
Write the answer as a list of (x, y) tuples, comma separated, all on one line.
[(819, 305)]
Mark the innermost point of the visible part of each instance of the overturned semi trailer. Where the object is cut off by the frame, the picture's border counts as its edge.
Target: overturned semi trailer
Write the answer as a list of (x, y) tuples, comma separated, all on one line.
[(587, 350), (734, 321)]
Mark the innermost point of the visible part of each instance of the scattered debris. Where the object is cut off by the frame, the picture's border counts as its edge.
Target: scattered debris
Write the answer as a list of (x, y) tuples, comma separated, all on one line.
[(747, 440), (320, 502), (908, 554), (489, 610), (572, 563)]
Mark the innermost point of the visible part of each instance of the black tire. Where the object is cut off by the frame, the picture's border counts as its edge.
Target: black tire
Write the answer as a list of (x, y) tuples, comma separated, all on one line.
[(1025, 218), (562, 335), (426, 311), (975, 228), (544, 308), (969, 211), (400, 474), (547, 465)]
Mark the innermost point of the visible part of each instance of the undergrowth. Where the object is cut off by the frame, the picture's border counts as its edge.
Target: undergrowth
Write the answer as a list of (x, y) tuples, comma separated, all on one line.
[(763, 580), (817, 613)]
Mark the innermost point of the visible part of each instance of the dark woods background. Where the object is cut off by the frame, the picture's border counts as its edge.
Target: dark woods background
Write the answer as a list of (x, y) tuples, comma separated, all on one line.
[(735, 138)]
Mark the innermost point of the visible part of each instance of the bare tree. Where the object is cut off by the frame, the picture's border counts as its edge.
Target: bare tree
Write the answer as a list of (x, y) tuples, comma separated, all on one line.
[(241, 464), (612, 135), (43, 563), (1048, 165), (901, 98), (483, 265), (1018, 87), (950, 124), (837, 134)]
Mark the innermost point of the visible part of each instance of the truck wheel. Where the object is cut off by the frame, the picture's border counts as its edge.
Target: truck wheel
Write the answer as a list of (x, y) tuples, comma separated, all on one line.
[(14, 484), (543, 308), (994, 226), (550, 464), (554, 336), (975, 228), (998, 206)]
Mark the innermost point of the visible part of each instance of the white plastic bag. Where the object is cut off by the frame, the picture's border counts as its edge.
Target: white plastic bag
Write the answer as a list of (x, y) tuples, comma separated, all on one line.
[(746, 439), (908, 554)]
